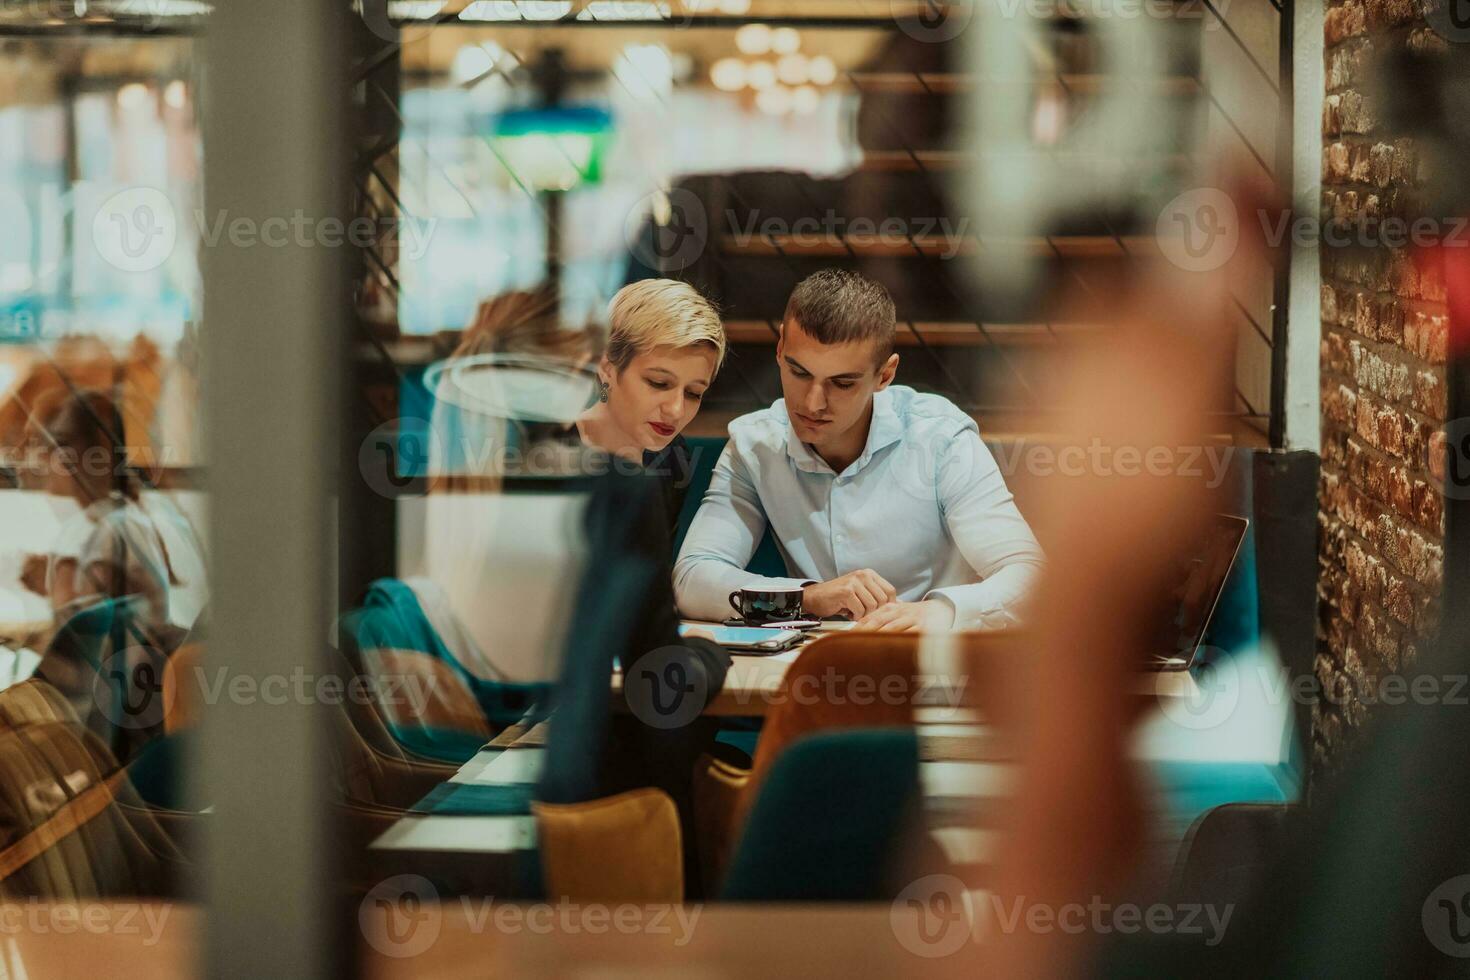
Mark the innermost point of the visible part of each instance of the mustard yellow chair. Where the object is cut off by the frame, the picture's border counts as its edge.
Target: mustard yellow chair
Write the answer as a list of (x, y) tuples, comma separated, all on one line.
[(183, 693), (623, 848)]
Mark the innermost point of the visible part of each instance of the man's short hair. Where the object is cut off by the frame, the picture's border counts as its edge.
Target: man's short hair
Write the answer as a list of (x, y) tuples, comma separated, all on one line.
[(836, 306)]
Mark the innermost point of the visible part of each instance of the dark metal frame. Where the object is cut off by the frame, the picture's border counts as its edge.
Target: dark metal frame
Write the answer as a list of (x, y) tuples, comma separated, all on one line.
[(1285, 176)]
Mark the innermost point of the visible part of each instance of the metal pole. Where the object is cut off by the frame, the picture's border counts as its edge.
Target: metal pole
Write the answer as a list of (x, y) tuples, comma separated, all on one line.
[(1281, 286), (275, 117)]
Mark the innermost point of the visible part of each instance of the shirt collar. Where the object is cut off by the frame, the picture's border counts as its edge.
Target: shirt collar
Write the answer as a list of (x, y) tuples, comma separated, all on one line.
[(884, 430)]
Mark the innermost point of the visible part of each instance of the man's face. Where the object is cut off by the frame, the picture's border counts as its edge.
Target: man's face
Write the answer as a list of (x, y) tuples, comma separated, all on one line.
[(828, 387)]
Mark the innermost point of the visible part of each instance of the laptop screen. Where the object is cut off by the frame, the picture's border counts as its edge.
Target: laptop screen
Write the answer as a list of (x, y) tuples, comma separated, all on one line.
[(1203, 567)]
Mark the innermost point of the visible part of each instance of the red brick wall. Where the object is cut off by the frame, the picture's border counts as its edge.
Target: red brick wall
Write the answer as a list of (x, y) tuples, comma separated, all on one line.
[(1383, 394)]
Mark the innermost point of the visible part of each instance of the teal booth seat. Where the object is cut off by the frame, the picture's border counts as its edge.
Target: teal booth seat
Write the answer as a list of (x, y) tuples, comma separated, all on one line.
[(391, 618), (158, 772), (829, 822)]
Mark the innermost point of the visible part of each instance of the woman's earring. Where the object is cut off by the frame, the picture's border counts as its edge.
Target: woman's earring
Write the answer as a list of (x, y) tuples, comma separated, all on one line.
[(602, 391)]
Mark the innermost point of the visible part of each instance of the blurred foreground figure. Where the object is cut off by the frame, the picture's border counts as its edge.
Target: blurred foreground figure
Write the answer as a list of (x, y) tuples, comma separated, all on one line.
[(1150, 380), (1372, 877)]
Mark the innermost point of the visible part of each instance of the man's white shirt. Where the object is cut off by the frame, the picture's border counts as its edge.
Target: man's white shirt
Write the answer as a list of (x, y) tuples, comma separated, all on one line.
[(925, 506)]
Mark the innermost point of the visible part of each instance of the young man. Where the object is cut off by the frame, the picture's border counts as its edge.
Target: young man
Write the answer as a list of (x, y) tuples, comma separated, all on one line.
[(886, 505)]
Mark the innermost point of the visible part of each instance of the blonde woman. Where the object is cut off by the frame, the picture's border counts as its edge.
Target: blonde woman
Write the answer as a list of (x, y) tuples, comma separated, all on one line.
[(665, 344)]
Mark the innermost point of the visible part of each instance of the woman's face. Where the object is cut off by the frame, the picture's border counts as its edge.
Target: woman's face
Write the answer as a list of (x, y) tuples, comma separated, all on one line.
[(658, 393)]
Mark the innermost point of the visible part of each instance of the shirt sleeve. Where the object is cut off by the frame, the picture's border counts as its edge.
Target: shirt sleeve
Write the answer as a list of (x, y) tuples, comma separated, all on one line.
[(721, 540), (982, 518)]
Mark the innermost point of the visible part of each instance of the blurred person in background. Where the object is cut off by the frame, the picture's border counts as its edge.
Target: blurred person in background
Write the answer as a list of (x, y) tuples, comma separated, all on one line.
[(113, 547), (111, 572)]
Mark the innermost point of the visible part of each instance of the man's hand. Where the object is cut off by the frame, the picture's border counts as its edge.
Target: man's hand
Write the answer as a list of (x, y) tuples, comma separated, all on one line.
[(931, 615), (856, 594)]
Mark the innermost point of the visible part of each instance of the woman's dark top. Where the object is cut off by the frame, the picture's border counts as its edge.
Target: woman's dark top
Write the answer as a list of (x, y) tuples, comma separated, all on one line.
[(673, 466), (623, 610)]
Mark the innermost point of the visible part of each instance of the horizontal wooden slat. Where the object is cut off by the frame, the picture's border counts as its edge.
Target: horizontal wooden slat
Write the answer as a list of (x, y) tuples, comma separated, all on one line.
[(1006, 426), (942, 246), (904, 161), (933, 334), (950, 83)]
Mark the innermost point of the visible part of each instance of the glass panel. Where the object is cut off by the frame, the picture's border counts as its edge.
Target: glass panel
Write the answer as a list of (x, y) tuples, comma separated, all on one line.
[(104, 585)]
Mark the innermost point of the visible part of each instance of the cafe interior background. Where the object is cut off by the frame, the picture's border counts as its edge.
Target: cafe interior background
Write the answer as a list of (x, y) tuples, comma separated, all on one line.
[(268, 233)]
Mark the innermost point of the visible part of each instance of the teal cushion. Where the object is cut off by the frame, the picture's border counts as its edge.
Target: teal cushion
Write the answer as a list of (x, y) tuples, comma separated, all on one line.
[(160, 772), (392, 618), (829, 820)]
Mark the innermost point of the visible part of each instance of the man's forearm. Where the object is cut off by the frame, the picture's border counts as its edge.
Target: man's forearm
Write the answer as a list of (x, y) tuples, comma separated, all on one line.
[(996, 603)]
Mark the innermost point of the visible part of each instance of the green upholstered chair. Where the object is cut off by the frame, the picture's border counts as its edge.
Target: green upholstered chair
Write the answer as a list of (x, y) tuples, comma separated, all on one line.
[(829, 821)]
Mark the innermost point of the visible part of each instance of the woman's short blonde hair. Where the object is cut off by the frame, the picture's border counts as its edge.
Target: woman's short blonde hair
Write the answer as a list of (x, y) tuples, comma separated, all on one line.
[(661, 313)]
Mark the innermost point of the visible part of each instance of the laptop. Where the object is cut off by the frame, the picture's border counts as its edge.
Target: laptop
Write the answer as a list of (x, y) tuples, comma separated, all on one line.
[(1203, 567)]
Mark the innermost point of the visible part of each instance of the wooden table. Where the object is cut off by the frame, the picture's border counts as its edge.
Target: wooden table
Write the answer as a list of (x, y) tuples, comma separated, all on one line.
[(966, 767), (148, 940), (691, 942), (470, 938), (754, 682)]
